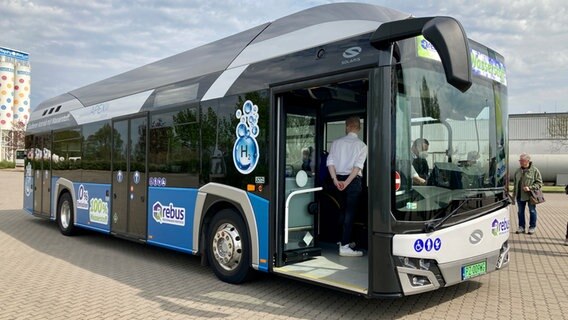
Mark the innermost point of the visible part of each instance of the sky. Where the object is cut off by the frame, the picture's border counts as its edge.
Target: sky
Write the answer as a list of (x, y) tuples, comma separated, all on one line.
[(74, 43)]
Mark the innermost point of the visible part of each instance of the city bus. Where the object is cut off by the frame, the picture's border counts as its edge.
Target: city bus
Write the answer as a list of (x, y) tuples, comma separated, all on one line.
[(220, 152)]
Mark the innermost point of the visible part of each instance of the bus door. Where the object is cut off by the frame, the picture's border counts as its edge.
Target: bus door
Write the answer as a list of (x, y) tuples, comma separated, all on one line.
[(129, 177), (42, 175), (298, 145)]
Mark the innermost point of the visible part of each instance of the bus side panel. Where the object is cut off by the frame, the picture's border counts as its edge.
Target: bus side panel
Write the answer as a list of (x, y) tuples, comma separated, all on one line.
[(93, 206), (260, 208), (170, 217), (28, 190)]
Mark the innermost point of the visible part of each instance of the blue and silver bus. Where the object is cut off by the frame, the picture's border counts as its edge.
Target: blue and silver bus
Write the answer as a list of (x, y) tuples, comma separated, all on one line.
[(220, 152)]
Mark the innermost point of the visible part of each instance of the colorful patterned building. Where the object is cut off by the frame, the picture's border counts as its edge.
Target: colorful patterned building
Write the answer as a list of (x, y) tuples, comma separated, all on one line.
[(15, 106)]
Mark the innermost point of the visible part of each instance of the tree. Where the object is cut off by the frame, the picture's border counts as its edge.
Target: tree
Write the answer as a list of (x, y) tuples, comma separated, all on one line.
[(13, 140), (430, 106), (557, 126)]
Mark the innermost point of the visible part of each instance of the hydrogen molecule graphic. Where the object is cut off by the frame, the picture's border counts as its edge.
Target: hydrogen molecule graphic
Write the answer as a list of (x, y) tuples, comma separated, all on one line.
[(245, 150)]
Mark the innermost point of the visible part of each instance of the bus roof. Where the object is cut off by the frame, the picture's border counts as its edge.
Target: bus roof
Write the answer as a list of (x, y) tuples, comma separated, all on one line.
[(229, 56)]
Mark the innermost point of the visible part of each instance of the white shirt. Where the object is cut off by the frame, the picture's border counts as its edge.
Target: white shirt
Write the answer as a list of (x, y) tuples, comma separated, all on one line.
[(346, 153), (413, 173)]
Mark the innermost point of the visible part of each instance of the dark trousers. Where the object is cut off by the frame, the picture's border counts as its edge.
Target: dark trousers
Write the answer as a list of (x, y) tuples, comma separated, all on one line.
[(351, 196), (532, 213), (567, 231)]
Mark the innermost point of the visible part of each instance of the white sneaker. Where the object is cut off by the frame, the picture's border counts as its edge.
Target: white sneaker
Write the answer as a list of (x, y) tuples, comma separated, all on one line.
[(532, 230), (346, 251)]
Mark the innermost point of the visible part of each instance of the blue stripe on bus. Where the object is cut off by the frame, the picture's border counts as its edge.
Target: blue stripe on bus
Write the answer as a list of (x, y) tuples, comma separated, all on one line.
[(29, 193), (260, 208), (93, 228), (170, 217), (93, 205), (175, 248)]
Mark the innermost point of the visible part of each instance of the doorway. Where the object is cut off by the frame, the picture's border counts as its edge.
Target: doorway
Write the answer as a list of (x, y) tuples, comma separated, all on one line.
[(41, 170), (310, 118), (129, 177)]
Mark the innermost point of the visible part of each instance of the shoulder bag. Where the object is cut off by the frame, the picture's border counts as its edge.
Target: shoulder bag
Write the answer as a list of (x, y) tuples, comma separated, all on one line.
[(537, 196)]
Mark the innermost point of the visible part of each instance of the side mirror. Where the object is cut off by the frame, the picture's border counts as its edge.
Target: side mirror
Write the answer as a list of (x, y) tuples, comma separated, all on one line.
[(446, 35)]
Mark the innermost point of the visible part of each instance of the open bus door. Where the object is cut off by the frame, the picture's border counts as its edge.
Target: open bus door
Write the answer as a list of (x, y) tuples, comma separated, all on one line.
[(298, 141), (309, 118)]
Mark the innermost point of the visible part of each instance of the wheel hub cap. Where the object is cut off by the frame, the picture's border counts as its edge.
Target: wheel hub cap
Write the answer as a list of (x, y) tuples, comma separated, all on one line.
[(227, 247)]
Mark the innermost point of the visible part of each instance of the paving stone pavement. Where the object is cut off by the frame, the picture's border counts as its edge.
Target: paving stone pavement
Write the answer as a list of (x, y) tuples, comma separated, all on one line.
[(44, 275)]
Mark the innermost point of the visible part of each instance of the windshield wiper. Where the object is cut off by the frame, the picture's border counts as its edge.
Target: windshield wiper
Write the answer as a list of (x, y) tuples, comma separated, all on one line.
[(431, 226)]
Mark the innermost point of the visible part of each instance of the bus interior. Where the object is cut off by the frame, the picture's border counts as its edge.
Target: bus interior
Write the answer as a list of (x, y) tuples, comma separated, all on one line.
[(313, 117)]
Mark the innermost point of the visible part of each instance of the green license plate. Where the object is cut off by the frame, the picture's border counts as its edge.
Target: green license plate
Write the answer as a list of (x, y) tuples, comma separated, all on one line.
[(474, 270)]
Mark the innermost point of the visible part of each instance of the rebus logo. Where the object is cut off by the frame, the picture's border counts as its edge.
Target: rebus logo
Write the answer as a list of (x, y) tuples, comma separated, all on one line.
[(500, 227), (168, 214)]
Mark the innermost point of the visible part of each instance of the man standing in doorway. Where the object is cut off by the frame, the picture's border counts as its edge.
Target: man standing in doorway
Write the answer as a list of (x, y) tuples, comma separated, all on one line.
[(345, 162)]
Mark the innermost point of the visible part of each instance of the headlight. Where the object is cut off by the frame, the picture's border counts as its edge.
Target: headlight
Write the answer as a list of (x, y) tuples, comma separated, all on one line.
[(425, 269)]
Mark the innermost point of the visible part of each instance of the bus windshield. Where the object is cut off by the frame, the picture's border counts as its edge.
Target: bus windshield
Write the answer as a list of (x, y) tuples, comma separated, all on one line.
[(450, 147)]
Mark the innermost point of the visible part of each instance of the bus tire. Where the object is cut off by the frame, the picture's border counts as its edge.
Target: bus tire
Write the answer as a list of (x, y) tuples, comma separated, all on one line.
[(228, 247), (65, 219)]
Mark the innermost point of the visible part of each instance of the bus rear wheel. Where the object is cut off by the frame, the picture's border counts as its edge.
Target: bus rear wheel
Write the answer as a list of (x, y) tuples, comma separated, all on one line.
[(228, 247), (65, 218)]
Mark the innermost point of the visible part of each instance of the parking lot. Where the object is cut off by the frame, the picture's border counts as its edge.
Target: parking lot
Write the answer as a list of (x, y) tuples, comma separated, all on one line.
[(44, 275)]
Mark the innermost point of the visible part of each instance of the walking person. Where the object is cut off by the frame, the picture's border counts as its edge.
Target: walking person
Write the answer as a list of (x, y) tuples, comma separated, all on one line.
[(345, 162), (527, 177)]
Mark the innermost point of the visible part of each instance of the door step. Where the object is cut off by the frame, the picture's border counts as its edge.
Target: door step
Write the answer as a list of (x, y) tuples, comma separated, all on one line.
[(301, 254)]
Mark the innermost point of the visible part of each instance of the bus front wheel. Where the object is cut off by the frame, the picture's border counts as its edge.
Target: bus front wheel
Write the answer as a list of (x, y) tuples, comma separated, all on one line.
[(65, 218), (228, 247)]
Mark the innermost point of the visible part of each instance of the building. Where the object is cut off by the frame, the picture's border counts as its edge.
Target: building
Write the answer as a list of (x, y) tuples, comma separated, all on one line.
[(15, 105), (545, 137)]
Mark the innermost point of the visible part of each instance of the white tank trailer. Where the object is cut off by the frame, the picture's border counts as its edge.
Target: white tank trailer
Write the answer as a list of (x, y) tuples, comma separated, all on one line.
[(553, 167)]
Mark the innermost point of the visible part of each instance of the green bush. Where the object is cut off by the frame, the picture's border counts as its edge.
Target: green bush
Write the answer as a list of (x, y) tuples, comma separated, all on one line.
[(7, 164)]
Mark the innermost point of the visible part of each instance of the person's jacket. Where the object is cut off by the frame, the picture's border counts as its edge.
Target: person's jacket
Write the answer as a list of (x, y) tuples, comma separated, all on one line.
[(528, 177)]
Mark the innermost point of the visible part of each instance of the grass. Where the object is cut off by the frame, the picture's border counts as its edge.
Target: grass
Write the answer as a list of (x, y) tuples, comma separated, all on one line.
[(553, 189), (546, 189)]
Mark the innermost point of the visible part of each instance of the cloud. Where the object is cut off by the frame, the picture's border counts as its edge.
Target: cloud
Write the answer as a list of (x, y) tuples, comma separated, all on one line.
[(74, 43)]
